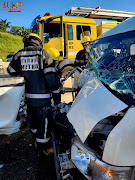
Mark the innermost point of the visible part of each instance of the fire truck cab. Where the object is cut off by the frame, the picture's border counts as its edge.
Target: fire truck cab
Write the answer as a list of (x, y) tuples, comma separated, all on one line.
[(63, 33)]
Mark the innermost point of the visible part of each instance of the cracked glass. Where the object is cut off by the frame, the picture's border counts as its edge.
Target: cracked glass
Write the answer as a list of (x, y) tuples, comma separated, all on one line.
[(113, 61)]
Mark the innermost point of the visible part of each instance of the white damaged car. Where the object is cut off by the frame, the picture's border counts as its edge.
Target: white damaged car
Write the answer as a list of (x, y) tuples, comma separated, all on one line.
[(103, 113)]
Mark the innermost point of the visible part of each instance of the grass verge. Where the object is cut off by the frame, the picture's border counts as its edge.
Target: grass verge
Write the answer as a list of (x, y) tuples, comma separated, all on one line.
[(9, 44)]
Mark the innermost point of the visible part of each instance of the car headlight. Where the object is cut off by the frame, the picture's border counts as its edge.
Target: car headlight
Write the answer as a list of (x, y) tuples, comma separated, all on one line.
[(93, 168)]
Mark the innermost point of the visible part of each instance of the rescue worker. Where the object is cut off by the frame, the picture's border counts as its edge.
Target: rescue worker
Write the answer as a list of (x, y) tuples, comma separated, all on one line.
[(41, 84), (83, 55)]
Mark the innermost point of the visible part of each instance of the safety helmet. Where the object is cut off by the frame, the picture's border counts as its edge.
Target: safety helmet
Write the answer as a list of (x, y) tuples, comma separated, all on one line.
[(85, 39), (34, 36)]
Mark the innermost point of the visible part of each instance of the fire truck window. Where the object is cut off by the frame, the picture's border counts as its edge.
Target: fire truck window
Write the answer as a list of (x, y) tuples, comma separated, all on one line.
[(70, 32), (51, 30), (80, 29)]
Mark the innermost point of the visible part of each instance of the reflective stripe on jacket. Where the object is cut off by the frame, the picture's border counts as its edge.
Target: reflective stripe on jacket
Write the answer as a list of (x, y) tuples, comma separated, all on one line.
[(37, 68)]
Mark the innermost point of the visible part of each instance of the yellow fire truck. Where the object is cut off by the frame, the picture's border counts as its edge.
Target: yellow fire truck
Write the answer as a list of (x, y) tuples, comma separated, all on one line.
[(61, 35)]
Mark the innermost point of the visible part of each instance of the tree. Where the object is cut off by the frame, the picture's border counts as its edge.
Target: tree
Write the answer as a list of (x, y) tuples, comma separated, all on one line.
[(28, 30), (4, 25), (14, 30), (22, 31), (18, 30)]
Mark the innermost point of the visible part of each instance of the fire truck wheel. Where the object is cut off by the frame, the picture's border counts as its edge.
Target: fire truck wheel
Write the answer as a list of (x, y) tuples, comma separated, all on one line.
[(66, 70)]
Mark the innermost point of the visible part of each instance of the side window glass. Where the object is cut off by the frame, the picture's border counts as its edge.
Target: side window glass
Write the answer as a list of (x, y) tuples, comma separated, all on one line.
[(80, 29), (70, 32)]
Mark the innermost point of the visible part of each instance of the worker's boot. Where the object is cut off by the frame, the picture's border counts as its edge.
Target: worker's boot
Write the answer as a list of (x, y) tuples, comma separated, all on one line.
[(48, 151), (46, 148)]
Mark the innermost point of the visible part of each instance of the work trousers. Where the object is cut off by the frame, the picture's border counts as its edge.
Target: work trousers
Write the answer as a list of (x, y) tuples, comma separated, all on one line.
[(42, 122)]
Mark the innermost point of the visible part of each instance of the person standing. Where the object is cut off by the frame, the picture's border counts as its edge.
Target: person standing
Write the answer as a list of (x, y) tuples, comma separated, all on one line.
[(83, 55), (41, 85)]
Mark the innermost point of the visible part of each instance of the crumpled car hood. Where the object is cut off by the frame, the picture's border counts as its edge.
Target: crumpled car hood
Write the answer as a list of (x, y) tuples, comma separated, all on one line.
[(94, 103)]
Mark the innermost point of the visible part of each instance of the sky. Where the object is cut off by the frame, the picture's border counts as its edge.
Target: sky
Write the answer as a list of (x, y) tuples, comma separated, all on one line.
[(30, 8)]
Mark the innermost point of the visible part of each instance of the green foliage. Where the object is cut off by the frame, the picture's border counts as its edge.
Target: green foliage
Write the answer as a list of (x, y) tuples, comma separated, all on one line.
[(9, 44), (14, 30), (18, 30), (4, 25)]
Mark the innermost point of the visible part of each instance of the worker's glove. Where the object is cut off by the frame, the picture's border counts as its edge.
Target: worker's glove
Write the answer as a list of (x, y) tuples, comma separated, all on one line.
[(59, 106), (63, 107), (57, 109)]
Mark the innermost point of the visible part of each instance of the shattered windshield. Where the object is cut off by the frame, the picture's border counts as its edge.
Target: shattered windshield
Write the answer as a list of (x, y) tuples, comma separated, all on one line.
[(113, 61)]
